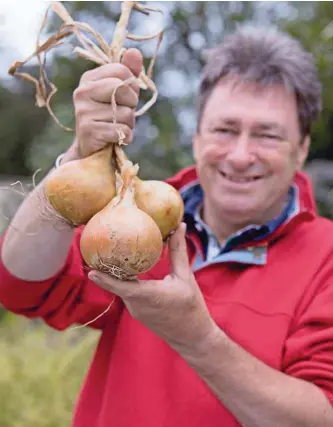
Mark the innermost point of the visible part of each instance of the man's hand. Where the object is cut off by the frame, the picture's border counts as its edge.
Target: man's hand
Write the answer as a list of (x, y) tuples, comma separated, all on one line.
[(92, 102), (174, 307)]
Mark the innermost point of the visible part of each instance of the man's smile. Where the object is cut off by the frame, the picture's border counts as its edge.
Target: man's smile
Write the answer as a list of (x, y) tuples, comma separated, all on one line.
[(238, 179)]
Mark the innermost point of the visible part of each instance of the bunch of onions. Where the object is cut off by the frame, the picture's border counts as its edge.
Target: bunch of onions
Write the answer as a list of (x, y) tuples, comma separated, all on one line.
[(79, 189), (158, 199), (126, 218), (121, 239)]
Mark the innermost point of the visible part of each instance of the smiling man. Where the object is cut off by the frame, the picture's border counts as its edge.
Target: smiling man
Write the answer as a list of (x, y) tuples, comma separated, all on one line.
[(248, 148), (234, 325)]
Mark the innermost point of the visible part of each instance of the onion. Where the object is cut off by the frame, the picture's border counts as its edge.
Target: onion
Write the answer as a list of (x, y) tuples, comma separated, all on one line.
[(159, 200), (79, 189), (122, 240)]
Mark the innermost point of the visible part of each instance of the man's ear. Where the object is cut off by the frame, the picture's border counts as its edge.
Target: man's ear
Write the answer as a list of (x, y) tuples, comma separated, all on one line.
[(303, 152)]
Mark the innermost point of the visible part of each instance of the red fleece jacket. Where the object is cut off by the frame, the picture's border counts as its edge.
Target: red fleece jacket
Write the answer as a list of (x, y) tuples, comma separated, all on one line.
[(281, 312)]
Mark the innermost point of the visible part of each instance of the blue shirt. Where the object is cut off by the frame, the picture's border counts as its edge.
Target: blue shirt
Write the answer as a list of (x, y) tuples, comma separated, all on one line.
[(214, 251)]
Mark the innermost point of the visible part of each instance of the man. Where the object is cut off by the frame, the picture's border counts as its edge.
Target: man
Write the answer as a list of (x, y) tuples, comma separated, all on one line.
[(234, 325)]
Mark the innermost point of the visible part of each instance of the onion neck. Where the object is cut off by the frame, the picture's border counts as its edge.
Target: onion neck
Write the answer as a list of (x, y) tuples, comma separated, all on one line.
[(101, 159), (120, 156), (125, 184)]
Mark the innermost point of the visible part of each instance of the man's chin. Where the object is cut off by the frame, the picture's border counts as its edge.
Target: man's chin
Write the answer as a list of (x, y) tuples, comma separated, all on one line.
[(242, 214)]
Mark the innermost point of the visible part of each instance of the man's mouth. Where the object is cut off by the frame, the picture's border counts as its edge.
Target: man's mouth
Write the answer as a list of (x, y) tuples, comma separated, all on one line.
[(240, 179)]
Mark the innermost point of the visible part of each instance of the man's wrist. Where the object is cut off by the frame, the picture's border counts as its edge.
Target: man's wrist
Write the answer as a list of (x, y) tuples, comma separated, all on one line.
[(202, 350), (46, 211), (71, 154)]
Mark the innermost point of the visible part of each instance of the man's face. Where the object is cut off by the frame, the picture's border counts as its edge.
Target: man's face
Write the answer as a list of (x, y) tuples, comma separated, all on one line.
[(248, 149)]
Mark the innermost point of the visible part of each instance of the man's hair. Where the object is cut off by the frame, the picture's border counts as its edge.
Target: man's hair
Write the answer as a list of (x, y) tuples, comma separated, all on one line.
[(267, 57)]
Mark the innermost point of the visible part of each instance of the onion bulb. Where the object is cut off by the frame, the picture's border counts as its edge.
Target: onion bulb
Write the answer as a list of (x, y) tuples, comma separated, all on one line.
[(121, 239), (79, 189), (159, 200)]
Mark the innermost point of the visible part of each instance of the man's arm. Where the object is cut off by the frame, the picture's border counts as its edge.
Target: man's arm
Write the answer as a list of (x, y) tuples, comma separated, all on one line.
[(258, 395), (37, 241)]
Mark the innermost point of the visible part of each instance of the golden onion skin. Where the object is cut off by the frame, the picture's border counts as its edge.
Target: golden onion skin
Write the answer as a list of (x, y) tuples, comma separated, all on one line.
[(79, 189), (160, 201), (121, 240)]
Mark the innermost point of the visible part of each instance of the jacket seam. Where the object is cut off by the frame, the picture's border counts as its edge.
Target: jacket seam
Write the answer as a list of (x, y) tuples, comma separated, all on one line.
[(230, 302)]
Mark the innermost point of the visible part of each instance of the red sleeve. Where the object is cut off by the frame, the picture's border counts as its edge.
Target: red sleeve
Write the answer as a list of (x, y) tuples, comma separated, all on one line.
[(67, 298), (309, 347)]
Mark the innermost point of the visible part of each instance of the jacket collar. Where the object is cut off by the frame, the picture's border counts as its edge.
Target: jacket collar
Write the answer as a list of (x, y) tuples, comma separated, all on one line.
[(187, 183)]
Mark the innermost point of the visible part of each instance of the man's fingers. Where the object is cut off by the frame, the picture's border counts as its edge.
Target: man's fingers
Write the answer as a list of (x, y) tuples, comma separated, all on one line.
[(108, 282), (124, 289), (102, 91), (119, 71), (125, 95), (101, 133), (178, 253), (133, 60), (104, 113)]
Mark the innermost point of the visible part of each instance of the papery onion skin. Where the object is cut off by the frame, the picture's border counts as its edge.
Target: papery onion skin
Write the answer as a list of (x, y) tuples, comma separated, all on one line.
[(162, 202), (121, 239), (81, 188)]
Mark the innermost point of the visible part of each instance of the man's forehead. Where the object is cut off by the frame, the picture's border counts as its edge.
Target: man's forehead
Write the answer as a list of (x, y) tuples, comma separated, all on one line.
[(270, 106)]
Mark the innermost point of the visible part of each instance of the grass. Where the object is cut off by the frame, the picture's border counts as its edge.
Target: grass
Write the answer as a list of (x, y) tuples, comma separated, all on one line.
[(41, 372)]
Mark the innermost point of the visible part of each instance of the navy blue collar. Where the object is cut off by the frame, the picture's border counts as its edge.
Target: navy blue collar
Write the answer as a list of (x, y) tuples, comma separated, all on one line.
[(193, 197)]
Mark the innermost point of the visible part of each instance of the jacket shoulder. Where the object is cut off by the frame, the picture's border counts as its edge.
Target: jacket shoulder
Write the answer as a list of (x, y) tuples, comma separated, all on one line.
[(183, 178), (319, 231)]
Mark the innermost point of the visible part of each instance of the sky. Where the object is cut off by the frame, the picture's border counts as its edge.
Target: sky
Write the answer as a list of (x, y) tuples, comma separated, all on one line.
[(19, 24)]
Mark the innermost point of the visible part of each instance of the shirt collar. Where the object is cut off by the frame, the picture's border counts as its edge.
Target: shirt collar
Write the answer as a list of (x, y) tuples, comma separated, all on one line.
[(193, 199)]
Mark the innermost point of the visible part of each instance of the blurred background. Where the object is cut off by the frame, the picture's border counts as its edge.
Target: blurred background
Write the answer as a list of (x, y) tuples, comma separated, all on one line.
[(41, 370)]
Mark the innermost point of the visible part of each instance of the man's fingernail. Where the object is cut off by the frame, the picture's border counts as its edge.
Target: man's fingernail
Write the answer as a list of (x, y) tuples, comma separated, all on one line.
[(94, 277)]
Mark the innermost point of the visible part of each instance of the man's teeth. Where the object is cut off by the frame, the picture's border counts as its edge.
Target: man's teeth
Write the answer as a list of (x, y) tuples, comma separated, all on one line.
[(239, 179)]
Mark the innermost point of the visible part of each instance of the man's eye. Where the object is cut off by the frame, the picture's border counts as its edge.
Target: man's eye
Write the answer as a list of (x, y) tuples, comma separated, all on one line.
[(224, 130), (269, 136)]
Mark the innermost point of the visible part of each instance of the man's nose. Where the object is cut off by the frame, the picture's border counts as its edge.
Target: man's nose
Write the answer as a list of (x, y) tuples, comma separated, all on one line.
[(240, 155)]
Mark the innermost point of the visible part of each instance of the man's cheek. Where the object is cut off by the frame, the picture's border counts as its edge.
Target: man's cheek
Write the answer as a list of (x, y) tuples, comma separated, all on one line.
[(210, 154)]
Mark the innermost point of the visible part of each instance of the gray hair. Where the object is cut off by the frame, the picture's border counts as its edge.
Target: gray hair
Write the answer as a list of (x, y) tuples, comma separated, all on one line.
[(267, 57)]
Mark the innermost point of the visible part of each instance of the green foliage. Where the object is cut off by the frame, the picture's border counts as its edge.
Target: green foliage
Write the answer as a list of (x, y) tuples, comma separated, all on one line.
[(20, 121), (46, 146), (314, 27), (41, 372)]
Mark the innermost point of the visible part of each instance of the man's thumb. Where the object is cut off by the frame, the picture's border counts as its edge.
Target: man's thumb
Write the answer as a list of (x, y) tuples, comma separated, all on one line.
[(133, 60), (178, 253)]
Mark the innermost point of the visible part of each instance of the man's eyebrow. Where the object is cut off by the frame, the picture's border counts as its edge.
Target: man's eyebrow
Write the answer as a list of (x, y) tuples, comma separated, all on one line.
[(227, 121)]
